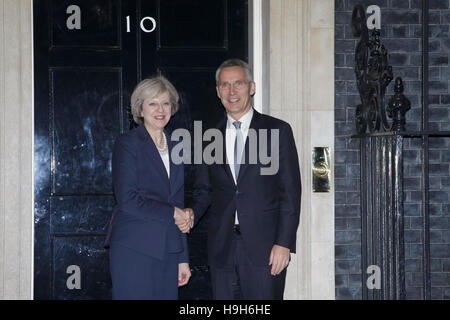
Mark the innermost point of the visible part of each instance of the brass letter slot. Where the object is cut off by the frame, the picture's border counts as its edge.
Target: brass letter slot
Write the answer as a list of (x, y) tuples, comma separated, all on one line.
[(321, 171)]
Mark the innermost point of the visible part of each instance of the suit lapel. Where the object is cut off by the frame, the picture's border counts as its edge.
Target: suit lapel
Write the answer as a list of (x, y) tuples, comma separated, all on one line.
[(226, 166), (174, 169), (254, 124), (152, 153)]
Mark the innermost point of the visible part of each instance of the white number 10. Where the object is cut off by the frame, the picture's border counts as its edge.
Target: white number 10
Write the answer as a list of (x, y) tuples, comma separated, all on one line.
[(143, 28)]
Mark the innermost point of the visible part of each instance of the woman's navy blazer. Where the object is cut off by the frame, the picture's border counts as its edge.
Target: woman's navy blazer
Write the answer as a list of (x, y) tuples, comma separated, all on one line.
[(146, 197)]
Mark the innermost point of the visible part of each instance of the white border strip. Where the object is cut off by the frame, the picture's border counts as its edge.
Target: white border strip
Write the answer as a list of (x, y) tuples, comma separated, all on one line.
[(256, 45), (32, 152)]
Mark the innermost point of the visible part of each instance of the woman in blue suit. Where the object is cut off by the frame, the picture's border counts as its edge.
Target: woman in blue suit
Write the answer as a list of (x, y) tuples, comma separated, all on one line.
[(148, 252)]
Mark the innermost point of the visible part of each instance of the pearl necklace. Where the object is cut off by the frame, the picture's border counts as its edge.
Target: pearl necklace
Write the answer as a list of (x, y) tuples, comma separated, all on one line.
[(164, 148)]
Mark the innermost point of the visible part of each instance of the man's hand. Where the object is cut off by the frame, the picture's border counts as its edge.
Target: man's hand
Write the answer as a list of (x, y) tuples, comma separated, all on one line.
[(184, 219), (184, 273), (279, 259), (190, 213)]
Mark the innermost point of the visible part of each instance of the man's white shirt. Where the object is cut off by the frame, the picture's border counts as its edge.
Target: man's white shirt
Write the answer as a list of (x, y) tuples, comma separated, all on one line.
[(230, 137)]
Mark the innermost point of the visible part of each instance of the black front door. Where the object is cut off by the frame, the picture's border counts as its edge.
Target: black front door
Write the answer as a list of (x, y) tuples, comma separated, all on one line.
[(89, 55)]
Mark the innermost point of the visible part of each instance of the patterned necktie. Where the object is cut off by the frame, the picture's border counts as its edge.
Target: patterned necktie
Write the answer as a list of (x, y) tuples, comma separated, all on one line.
[(238, 148)]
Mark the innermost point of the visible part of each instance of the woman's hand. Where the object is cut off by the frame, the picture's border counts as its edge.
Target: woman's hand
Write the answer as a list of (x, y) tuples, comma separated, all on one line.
[(178, 214), (184, 274)]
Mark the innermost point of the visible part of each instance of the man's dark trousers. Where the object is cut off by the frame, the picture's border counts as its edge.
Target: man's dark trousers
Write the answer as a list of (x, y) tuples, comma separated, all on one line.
[(241, 280)]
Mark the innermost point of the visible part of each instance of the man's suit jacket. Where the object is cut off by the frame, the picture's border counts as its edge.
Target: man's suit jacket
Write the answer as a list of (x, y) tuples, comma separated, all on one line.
[(146, 197), (268, 206)]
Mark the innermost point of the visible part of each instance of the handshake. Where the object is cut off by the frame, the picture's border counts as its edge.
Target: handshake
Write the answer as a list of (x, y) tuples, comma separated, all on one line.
[(184, 219)]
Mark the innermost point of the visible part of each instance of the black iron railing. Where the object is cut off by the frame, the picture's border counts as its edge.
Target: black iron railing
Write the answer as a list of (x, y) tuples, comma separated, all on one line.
[(381, 149)]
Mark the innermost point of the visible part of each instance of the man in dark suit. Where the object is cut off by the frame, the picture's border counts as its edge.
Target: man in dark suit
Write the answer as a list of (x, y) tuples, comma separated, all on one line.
[(254, 214)]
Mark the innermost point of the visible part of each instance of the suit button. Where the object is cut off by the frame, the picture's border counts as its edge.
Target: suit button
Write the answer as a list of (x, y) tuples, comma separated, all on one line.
[(237, 191)]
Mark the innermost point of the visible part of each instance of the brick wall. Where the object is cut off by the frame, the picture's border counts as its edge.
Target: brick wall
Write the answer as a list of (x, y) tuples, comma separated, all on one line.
[(401, 32)]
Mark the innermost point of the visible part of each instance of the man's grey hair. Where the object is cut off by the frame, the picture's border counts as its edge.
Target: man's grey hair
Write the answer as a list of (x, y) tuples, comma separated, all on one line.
[(235, 63)]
